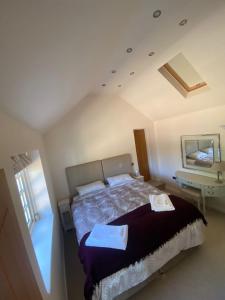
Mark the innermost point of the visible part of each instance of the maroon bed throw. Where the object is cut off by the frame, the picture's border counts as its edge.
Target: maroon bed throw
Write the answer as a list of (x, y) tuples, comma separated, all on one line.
[(147, 231)]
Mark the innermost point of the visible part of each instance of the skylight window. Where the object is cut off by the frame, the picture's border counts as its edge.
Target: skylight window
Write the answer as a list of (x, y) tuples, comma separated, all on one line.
[(182, 75)]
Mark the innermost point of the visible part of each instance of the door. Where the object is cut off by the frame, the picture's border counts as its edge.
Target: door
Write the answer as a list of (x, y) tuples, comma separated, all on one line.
[(142, 155), (17, 280)]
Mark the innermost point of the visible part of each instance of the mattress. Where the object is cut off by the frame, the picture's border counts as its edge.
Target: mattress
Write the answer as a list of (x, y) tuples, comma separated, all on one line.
[(129, 204)]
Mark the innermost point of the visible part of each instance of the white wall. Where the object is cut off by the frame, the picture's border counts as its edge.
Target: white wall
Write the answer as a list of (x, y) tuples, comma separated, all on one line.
[(202, 43), (18, 138), (98, 127), (169, 131), (39, 187)]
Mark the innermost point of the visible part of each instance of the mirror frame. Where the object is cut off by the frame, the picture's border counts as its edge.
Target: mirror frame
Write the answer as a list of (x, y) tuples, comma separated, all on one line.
[(216, 149)]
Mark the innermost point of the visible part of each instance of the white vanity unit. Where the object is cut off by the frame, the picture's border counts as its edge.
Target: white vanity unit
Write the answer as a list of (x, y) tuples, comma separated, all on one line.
[(206, 185)]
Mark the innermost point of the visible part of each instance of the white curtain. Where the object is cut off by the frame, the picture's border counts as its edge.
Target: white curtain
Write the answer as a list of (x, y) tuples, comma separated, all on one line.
[(21, 161)]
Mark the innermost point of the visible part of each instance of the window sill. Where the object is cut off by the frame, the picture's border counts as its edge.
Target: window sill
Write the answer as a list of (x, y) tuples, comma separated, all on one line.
[(42, 235)]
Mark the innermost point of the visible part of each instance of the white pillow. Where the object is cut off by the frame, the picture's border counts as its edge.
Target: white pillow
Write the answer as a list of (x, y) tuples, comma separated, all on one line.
[(208, 150), (115, 180), (198, 155), (91, 187)]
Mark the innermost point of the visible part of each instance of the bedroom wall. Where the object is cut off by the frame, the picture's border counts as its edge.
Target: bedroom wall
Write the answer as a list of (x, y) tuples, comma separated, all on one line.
[(98, 127), (169, 131), (18, 138), (203, 46)]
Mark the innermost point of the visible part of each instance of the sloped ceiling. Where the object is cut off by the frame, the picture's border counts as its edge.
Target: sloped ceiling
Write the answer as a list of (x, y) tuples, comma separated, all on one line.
[(55, 52)]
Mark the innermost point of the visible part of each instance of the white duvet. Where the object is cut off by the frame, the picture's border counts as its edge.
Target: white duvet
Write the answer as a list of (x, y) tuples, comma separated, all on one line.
[(104, 206)]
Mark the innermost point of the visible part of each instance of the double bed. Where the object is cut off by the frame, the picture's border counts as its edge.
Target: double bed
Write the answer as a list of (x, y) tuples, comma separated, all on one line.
[(154, 238)]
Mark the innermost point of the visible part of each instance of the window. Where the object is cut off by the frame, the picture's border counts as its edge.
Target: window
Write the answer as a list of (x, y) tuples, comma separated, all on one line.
[(34, 197), (182, 75), (26, 197)]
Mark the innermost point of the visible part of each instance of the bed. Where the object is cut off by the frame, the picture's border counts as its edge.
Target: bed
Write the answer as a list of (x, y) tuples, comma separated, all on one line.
[(199, 153), (153, 238)]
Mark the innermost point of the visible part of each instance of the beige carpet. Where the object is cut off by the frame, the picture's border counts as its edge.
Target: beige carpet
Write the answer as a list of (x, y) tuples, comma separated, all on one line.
[(198, 276)]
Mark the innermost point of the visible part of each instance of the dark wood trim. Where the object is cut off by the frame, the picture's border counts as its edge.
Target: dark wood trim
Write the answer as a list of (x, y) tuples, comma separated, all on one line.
[(142, 153), (3, 219)]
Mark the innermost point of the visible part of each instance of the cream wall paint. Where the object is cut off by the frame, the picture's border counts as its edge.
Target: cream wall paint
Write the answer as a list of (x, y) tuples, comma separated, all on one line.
[(203, 46), (97, 128), (54, 64), (169, 131), (18, 138)]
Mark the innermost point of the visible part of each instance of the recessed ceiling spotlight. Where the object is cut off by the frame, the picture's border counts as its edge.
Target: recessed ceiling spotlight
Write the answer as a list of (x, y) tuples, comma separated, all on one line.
[(183, 22), (119, 85), (131, 73), (103, 84), (151, 53), (129, 50), (157, 13), (113, 71)]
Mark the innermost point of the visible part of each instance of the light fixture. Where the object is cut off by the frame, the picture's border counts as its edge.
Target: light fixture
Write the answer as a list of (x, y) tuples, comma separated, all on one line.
[(103, 84), (129, 50), (183, 22), (131, 73), (113, 71), (151, 53), (157, 13), (219, 167)]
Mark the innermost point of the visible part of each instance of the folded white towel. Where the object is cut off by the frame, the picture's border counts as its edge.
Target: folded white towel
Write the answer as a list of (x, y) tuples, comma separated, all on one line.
[(161, 202), (108, 236)]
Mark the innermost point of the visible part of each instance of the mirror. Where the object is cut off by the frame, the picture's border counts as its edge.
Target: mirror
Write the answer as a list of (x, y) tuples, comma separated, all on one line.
[(200, 151)]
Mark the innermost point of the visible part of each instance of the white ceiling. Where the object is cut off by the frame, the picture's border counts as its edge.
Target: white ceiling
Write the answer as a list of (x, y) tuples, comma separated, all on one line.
[(55, 52)]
